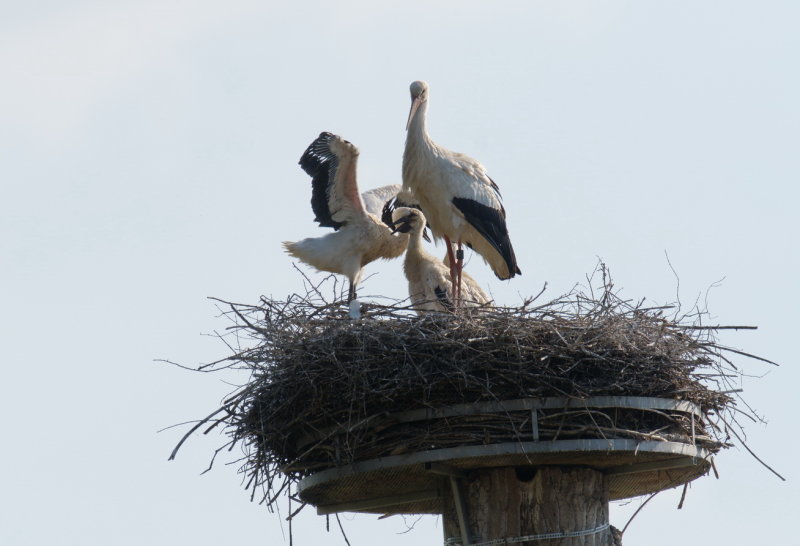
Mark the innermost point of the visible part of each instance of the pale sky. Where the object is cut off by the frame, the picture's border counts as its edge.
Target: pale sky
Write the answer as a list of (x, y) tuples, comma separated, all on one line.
[(148, 159)]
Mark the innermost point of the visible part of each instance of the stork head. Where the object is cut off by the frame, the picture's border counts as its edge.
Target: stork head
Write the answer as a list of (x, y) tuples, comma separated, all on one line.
[(405, 220), (419, 88), (419, 95), (398, 203), (340, 146)]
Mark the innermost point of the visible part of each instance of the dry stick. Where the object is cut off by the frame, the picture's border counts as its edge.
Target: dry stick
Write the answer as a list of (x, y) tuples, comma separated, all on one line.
[(714, 467), (748, 355), (342, 530), (190, 368), (717, 327), (214, 457), (293, 514), (744, 445), (683, 495), (191, 431), (637, 511), (221, 337)]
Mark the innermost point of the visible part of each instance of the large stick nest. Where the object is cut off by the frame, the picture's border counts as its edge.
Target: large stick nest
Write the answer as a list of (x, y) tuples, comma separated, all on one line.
[(321, 382)]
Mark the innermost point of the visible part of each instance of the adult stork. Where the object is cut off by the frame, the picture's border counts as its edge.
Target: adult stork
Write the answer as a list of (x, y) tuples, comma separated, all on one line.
[(459, 199), (429, 282), (359, 237)]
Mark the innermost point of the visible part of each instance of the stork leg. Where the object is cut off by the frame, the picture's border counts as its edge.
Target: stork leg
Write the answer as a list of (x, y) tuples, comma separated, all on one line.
[(460, 267), (453, 270), (352, 302)]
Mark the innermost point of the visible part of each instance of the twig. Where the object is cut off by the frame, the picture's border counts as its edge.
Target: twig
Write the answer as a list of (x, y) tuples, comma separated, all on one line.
[(683, 495), (342, 530), (750, 451), (191, 431), (638, 510)]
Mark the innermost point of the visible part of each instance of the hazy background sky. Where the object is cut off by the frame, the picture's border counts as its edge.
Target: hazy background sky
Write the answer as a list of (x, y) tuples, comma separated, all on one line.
[(148, 159)]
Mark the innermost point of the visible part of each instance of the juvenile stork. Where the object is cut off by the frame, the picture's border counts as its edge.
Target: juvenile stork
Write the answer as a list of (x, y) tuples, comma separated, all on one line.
[(377, 198), (382, 201), (359, 237), (429, 284), (460, 201)]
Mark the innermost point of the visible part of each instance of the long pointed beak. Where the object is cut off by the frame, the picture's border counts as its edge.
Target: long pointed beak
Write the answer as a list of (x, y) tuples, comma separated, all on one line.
[(425, 234), (401, 225), (414, 105)]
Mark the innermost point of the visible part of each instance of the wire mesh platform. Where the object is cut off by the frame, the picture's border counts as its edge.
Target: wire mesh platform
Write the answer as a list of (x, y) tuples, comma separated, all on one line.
[(412, 483)]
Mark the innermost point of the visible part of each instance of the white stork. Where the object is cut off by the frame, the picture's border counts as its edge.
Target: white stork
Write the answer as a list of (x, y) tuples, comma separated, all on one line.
[(460, 201), (382, 201), (359, 237), (429, 283), (377, 198)]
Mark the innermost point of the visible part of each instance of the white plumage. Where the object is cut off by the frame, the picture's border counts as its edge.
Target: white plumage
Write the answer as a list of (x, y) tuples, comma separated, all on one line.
[(376, 198), (381, 201), (429, 284), (359, 236), (460, 201)]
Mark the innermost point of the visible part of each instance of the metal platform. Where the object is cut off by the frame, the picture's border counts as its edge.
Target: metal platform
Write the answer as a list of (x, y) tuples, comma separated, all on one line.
[(412, 483)]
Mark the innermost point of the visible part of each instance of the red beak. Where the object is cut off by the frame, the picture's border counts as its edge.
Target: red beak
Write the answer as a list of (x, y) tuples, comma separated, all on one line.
[(414, 105)]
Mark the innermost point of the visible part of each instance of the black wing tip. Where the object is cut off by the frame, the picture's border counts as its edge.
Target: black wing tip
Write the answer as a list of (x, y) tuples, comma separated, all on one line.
[(318, 154), (388, 211), (318, 161), (491, 224)]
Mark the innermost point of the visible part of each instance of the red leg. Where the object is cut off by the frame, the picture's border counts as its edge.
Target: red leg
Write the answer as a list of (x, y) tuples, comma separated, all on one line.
[(460, 266), (450, 257), (454, 276)]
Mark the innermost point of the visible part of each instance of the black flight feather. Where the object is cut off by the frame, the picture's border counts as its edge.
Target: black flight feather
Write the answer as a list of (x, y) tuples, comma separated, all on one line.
[(320, 163), (391, 205), (494, 186), (388, 210), (395, 203), (491, 223)]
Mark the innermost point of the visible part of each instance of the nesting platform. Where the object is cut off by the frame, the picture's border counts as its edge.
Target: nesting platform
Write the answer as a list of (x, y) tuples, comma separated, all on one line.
[(392, 413), (412, 483)]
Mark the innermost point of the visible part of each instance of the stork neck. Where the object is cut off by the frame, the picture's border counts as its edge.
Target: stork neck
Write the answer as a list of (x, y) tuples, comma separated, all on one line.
[(415, 244), (418, 129)]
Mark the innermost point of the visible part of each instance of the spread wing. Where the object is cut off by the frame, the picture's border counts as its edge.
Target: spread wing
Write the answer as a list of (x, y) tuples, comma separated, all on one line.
[(331, 163)]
